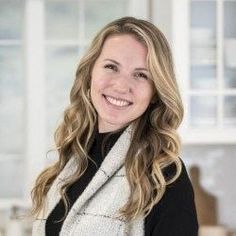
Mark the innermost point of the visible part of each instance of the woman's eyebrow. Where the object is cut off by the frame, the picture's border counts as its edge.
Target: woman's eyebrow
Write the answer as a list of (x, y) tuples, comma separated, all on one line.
[(117, 63), (141, 68)]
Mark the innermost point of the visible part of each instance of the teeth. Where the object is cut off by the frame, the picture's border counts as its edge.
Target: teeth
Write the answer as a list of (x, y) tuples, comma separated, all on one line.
[(117, 102)]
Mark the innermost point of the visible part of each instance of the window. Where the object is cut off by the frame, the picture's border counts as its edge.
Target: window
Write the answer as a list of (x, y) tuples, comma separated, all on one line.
[(41, 42), (12, 98)]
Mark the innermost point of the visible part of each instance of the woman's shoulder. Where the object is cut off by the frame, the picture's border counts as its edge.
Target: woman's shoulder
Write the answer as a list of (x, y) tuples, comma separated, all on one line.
[(176, 206), (182, 185), (180, 192)]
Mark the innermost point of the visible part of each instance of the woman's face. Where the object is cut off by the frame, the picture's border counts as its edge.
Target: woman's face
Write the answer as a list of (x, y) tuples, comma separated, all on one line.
[(120, 86)]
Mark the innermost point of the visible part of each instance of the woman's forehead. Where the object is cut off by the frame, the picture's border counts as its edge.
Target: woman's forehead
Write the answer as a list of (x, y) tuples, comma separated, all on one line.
[(124, 47)]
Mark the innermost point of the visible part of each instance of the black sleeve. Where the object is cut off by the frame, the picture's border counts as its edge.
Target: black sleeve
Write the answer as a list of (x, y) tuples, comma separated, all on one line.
[(176, 224), (175, 214)]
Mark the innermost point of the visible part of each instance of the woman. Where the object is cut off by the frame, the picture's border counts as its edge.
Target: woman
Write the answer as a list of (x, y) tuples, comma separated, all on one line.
[(119, 171)]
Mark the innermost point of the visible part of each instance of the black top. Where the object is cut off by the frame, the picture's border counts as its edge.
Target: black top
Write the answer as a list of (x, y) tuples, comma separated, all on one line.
[(174, 215)]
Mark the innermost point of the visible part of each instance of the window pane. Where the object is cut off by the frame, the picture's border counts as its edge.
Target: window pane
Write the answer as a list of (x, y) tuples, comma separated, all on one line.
[(230, 76), (207, 11), (230, 44), (98, 13), (11, 171), (203, 45), (230, 110), (229, 19), (62, 20), (11, 19), (203, 111), (203, 77), (62, 62), (11, 99)]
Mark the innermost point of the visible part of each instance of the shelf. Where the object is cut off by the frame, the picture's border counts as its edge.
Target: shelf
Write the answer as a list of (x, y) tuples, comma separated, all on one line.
[(12, 42), (212, 0), (227, 68), (203, 0), (211, 92), (203, 63), (7, 203), (229, 122), (206, 136)]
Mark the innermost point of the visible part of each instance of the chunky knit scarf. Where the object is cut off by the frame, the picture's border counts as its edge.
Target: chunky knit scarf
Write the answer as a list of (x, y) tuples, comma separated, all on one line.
[(94, 212)]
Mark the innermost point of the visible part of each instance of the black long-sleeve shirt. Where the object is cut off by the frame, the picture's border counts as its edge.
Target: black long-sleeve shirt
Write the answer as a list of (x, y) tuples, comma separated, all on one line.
[(174, 215)]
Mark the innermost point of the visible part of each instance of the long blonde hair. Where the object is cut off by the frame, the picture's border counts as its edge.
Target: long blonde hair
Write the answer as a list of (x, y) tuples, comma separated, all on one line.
[(155, 144)]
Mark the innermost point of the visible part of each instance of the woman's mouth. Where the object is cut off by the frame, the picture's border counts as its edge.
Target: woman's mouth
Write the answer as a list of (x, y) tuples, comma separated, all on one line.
[(117, 101)]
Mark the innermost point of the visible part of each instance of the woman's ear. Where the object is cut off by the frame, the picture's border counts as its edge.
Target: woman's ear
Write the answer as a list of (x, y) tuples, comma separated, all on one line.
[(89, 94)]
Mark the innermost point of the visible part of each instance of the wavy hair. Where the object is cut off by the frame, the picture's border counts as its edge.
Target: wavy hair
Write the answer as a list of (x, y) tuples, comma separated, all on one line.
[(154, 146)]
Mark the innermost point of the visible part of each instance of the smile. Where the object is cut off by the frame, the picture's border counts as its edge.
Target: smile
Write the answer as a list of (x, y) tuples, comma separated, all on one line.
[(117, 101)]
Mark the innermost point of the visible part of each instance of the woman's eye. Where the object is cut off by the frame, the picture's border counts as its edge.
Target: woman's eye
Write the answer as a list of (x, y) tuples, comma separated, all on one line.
[(111, 67), (141, 75)]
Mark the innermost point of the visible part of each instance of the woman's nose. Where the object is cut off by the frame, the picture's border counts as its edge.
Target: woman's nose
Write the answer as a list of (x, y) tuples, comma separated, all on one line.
[(123, 84)]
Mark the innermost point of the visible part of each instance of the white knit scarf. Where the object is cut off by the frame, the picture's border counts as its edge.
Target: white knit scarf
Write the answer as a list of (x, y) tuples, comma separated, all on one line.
[(94, 212)]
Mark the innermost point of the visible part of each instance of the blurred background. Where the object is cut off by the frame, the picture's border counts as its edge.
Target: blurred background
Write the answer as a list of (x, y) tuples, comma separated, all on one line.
[(41, 43)]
